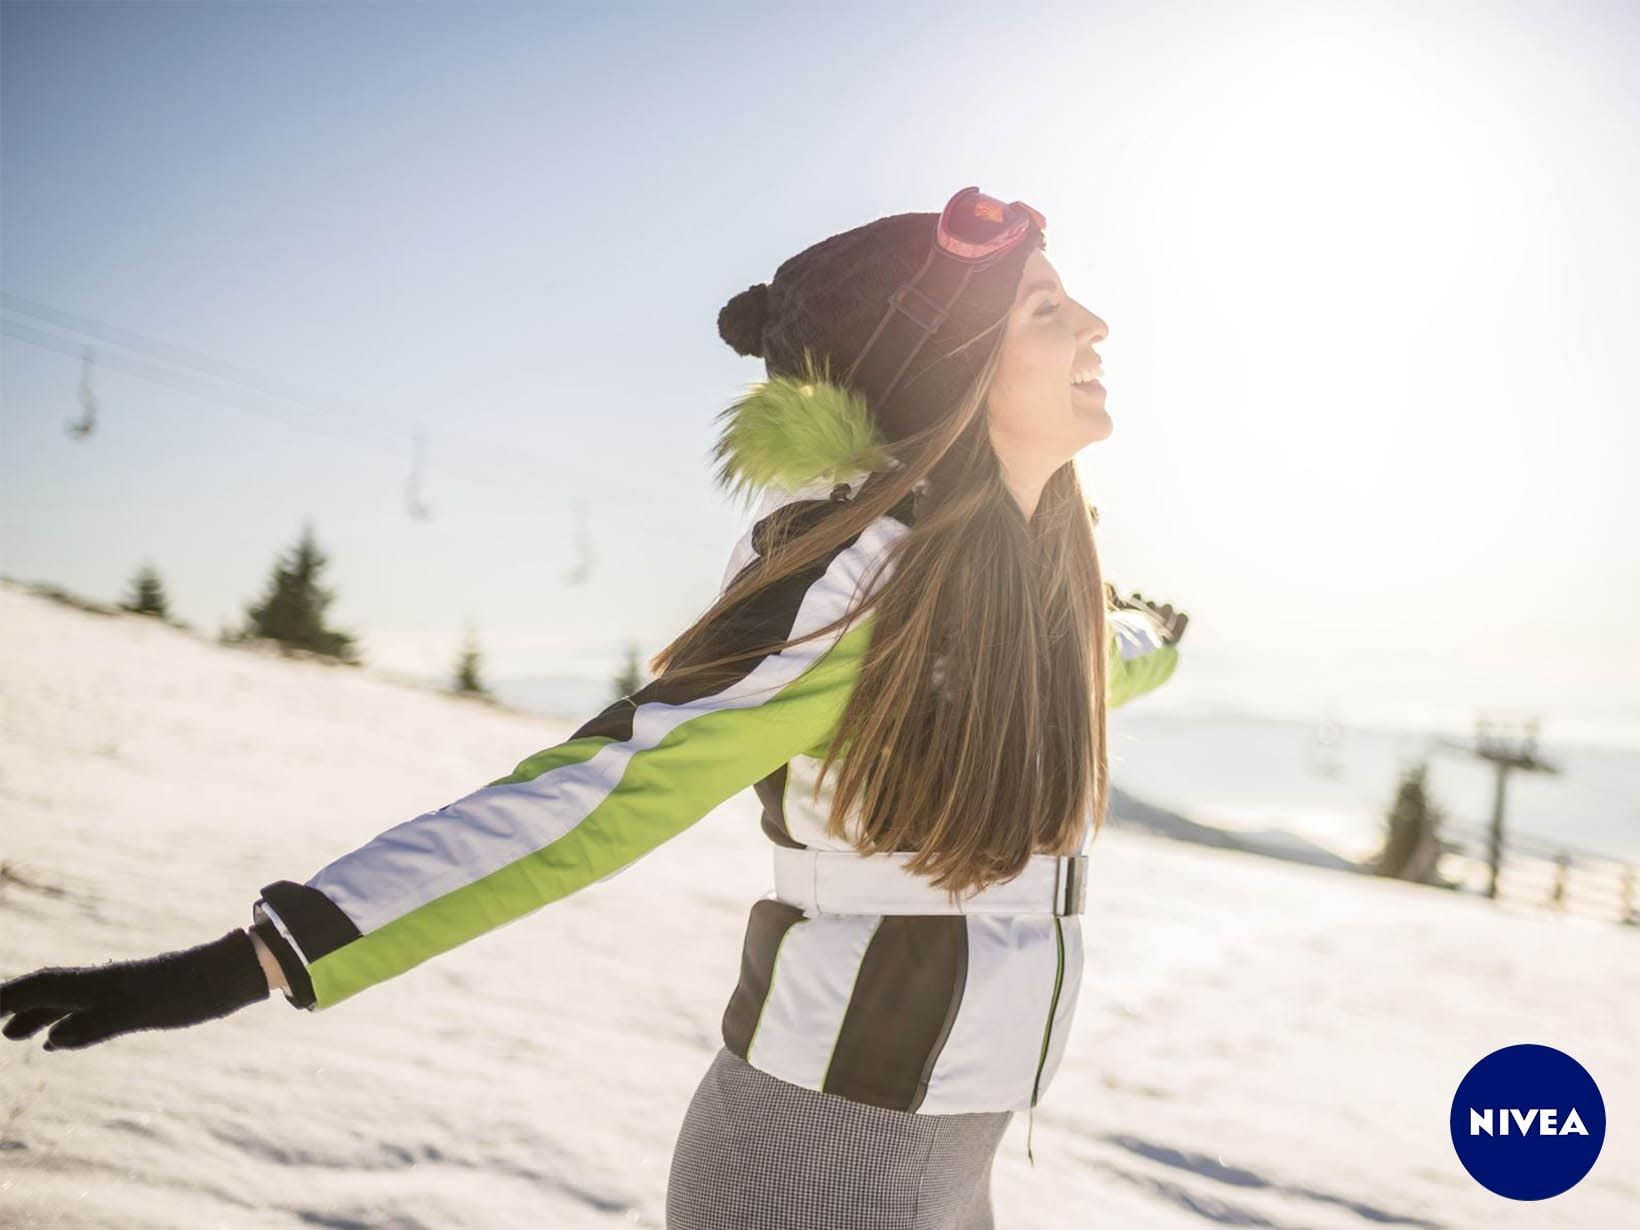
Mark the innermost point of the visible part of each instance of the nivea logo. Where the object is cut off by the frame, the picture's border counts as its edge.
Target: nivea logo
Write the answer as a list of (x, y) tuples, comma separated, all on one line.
[(1539, 1119), (1528, 1122)]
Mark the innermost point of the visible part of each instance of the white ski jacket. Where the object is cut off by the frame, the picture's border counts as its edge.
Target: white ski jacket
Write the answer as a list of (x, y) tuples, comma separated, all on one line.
[(931, 1014)]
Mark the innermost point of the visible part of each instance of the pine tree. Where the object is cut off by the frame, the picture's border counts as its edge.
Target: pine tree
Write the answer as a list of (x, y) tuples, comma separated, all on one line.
[(147, 594), (632, 675), (1412, 844), (293, 610), (467, 678)]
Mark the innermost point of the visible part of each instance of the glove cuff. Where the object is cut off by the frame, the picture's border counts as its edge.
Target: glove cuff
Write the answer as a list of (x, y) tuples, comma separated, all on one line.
[(300, 992)]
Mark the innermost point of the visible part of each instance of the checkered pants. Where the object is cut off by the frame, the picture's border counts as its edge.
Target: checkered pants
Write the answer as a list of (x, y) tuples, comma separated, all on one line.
[(758, 1153)]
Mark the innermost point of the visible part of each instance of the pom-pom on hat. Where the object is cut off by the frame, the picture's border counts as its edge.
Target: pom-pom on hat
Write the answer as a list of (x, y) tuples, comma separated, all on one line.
[(812, 321)]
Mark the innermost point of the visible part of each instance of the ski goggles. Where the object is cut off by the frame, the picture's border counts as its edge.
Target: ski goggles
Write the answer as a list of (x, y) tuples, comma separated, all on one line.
[(974, 230)]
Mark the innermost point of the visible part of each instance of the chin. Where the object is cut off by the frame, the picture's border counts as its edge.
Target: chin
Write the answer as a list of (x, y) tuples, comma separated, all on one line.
[(1092, 424)]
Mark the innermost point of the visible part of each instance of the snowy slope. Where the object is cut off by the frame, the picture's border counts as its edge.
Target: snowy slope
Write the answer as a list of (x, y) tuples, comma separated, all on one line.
[(1258, 1043)]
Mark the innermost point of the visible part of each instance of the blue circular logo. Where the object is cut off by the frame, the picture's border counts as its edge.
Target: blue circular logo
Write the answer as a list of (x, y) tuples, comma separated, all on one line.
[(1528, 1122)]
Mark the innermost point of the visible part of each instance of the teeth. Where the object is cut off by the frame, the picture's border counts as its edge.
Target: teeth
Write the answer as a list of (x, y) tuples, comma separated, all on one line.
[(1084, 379)]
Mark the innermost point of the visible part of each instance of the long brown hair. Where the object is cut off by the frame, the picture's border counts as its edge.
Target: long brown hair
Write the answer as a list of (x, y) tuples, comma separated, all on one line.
[(982, 691)]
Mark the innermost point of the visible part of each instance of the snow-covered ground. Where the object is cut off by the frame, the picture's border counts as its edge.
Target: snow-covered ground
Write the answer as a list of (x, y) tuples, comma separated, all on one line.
[(1258, 1043)]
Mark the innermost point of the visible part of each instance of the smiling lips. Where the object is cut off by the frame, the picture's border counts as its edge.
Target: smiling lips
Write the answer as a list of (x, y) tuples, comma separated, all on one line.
[(1086, 381)]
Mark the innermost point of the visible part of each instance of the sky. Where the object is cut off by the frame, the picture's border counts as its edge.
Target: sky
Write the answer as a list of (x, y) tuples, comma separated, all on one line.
[(1369, 270)]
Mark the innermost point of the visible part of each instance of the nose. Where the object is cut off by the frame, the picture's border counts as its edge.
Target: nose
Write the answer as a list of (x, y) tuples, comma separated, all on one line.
[(1095, 330)]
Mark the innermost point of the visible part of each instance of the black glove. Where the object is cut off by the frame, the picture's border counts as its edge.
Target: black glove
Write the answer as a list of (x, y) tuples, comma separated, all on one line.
[(96, 1002), (1172, 622)]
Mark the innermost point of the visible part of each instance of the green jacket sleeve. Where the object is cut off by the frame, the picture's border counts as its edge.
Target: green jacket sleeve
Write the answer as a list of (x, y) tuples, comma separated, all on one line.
[(637, 774), (1139, 661)]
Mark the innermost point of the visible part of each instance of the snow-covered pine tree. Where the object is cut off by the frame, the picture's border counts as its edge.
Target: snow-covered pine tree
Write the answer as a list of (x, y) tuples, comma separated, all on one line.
[(467, 681), (147, 595), (293, 610)]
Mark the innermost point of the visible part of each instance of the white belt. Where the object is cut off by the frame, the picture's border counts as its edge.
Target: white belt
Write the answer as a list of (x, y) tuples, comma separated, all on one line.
[(844, 882)]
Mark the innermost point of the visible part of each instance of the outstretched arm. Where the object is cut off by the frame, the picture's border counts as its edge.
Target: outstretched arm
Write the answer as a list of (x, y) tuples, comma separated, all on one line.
[(631, 778), (638, 773)]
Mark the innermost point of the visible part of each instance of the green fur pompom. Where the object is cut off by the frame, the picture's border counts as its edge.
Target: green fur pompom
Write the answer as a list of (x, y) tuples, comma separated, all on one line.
[(789, 432)]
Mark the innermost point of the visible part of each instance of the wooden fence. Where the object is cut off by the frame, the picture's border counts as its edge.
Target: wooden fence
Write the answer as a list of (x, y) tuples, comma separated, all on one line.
[(1548, 874)]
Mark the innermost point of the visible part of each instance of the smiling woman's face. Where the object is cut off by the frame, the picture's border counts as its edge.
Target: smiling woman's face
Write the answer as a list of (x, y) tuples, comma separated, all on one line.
[(1038, 417)]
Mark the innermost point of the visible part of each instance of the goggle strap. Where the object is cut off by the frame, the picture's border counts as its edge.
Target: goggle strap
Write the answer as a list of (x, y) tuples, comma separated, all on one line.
[(915, 313), (958, 349)]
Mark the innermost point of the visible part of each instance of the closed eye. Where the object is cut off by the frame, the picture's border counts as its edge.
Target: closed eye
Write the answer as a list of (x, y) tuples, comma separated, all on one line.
[(1049, 310)]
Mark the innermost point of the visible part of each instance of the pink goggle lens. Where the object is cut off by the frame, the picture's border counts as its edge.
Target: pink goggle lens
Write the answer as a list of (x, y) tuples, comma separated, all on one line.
[(975, 227)]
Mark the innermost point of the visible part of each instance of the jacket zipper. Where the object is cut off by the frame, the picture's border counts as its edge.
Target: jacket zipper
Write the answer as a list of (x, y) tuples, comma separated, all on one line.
[(1047, 1032)]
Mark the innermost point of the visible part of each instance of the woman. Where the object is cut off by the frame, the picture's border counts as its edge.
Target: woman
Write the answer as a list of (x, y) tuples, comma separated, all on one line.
[(921, 580)]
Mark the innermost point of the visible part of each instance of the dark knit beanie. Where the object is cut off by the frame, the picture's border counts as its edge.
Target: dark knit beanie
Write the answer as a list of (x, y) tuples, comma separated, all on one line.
[(830, 296)]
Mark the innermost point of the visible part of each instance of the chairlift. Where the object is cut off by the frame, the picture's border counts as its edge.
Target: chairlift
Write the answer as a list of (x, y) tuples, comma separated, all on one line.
[(1325, 736), (83, 427), (578, 574), (420, 510)]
